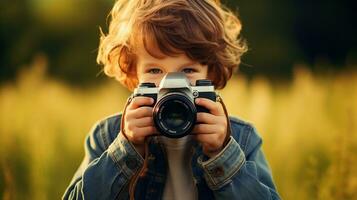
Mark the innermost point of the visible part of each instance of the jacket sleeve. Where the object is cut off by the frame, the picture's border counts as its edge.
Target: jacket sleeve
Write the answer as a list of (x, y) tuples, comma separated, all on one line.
[(104, 172), (240, 170)]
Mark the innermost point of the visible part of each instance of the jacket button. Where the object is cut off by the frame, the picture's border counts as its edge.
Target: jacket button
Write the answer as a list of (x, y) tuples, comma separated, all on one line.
[(131, 163), (217, 172)]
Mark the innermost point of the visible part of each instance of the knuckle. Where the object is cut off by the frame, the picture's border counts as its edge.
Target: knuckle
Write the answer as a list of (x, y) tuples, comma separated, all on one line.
[(138, 101), (139, 110), (146, 120), (133, 102), (134, 130), (141, 131), (151, 120), (144, 109), (129, 114), (221, 129), (215, 107), (200, 128), (130, 126), (147, 109), (206, 117), (199, 115)]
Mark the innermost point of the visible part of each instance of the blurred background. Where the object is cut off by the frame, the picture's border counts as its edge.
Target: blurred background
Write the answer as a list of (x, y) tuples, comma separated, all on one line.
[(297, 85)]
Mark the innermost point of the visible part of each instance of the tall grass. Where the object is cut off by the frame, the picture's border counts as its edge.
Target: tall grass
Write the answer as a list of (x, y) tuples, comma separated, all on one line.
[(308, 128)]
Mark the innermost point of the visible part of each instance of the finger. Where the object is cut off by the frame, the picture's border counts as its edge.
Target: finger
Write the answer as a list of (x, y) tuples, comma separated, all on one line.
[(207, 129), (214, 107), (140, 101), (137, 135), (206, 118), (210, 141), (143, 122), (203, 138), (139, 113), (144, 131)]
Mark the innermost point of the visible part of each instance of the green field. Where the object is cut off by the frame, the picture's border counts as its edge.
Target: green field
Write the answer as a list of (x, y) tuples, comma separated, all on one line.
[(309, 130)]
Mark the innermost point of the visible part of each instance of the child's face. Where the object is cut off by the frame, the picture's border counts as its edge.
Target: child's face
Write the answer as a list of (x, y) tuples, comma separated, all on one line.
[(151, 69)]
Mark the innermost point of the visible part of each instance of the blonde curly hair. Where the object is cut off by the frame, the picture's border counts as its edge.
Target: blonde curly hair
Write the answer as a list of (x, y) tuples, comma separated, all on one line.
[(202, 29)]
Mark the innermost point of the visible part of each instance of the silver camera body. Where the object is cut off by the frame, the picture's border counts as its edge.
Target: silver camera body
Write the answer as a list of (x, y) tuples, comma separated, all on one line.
[(174, 108)]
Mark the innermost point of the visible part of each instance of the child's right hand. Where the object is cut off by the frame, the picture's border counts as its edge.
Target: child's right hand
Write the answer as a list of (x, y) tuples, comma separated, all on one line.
[(138, 121)]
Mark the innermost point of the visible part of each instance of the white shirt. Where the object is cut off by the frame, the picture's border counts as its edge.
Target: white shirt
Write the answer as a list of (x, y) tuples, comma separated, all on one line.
[(179, 181)]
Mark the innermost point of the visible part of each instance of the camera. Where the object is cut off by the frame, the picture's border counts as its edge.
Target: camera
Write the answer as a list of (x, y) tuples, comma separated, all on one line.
[(174, 108)]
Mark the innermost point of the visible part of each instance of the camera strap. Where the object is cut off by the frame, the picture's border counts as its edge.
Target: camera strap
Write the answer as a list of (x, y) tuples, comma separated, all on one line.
[(229, 128)]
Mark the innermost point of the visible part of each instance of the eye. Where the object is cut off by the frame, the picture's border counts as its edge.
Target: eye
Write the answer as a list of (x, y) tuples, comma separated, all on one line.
[(155, 71), (189, 70)]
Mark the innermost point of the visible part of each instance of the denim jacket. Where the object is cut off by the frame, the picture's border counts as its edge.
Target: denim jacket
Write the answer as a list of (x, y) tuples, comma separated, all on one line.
[(239, 171)]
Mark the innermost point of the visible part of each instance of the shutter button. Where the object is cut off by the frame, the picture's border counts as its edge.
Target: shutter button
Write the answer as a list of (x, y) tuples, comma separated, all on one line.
[(131, 163)]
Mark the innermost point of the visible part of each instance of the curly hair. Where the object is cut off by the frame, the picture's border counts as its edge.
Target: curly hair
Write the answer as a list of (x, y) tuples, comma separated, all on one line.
[(204, 30)]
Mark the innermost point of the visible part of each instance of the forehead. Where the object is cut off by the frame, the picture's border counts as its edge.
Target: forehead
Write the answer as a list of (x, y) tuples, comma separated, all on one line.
[(149, 50), (147, 43), (144, 59)]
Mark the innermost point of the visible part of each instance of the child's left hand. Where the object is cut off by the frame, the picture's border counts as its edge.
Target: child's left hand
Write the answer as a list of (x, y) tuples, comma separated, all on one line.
[(211, 129)]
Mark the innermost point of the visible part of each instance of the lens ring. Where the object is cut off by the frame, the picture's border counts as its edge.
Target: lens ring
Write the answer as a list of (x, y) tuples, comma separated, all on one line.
[(183, 109)]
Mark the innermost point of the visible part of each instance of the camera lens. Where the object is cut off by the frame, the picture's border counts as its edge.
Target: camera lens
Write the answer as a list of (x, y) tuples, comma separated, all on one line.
[(174, 115)]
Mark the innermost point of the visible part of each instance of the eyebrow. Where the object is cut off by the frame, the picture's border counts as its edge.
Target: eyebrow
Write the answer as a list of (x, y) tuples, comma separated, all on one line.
[(151, 64), (157, 64)]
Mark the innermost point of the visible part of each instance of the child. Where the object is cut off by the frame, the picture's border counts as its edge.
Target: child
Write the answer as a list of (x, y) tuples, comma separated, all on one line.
[(222, 156)]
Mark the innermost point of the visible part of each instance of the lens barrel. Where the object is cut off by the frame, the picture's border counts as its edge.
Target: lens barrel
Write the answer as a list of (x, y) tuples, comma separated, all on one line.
[(174, 115)]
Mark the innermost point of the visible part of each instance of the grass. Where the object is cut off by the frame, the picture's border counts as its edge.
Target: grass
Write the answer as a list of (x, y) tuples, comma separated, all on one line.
[(309, 129)]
